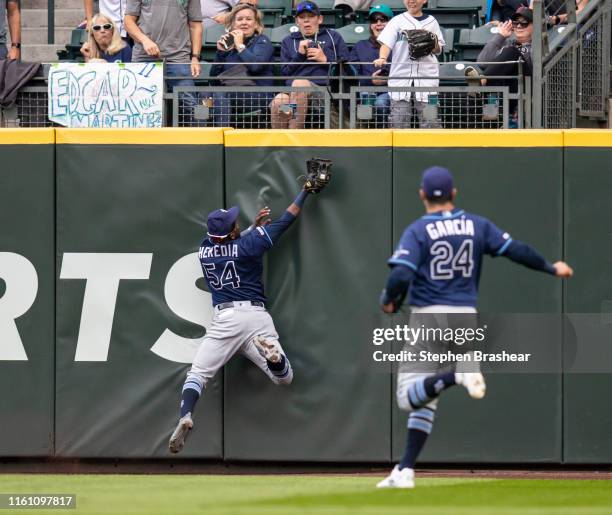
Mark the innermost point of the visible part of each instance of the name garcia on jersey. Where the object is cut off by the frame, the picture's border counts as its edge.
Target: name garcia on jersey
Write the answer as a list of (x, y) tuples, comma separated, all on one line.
[(219, 251), (455, 227)]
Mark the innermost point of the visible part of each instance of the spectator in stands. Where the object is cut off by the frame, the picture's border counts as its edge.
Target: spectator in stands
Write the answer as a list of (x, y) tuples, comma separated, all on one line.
[(406, 72), (511, 43), (556, 12), (365, 52), (105, 43), (500, 11), (114, 10), (501, 55), (245, 56), (13, 17), (216, 11), (308, 53), (170, 31), (348, 7)]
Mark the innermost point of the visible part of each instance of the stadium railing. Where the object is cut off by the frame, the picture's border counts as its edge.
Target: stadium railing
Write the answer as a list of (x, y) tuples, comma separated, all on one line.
[(343, 103), (571, 62)]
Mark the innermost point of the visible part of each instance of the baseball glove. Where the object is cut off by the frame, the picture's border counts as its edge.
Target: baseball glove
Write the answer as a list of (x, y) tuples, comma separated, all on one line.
[(420, 42), (318, 174)]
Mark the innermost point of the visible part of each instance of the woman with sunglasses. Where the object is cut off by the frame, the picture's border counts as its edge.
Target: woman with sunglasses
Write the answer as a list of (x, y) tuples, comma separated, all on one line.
[(363, 54), (105, 43), (511, 43), (241, 54), (500, 56)]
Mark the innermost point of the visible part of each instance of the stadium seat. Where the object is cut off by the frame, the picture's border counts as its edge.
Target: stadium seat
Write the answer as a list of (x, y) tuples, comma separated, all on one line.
[(456, 18), (277, 34), (331, 17), (209, 41), (354, 32), (471, 42), (453, 4), (275, 12), (453, 74), (449, 47), (73, 49), (558, 34)]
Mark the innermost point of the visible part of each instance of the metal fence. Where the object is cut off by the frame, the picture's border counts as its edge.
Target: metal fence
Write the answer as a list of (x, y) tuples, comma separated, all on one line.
[(574, 60), (458, 102), (594, 65)]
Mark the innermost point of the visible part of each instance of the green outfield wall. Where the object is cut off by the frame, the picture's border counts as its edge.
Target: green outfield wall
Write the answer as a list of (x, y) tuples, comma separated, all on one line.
[(103, 304), (27, 292)]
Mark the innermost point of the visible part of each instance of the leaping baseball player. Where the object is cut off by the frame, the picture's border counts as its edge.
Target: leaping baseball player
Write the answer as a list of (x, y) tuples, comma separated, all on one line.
[(232, 263), (438, 262)]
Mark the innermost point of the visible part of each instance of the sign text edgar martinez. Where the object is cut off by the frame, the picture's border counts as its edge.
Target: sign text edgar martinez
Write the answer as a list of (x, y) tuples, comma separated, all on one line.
[(106, 94)]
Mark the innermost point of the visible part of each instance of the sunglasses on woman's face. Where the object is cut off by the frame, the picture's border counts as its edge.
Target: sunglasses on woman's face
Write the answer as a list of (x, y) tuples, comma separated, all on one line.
[(106, 26), (523, 24), (377, 19)]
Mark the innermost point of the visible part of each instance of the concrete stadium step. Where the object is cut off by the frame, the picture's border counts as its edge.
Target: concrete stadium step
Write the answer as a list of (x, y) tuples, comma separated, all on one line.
[(38, 36), (59, 4), (40, 53), (32, 18)]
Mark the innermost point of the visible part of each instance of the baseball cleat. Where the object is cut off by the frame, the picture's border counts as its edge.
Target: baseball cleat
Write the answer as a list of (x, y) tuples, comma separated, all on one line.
[(398, 479), (177, 440), (268, 349), (473, 382)]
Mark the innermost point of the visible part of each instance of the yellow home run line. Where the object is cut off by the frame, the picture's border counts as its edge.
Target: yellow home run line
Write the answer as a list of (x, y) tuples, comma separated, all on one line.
[(477, 138), (311, 138), (308, 138), (164, 136), (27, 136), (587, 138)]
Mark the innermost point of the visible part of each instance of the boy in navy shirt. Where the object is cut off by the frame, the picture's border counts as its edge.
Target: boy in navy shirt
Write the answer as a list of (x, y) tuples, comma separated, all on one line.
[(307, 52)]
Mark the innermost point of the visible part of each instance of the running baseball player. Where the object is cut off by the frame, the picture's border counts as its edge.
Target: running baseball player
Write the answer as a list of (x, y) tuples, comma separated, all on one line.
[(411, 61), (438, 261), (232, 263)]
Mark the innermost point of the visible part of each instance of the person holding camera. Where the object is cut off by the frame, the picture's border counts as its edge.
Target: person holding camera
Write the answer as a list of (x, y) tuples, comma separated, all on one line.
[(243, 55), (363, 54), (307, 53)]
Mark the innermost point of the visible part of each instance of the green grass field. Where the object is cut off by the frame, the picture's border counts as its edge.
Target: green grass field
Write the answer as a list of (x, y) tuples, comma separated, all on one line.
[(307, 494)]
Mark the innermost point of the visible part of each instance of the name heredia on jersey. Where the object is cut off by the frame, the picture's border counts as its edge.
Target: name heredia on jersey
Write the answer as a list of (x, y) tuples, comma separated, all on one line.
[(218, 251)]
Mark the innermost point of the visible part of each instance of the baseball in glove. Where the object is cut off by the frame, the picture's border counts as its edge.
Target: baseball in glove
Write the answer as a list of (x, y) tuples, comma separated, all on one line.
[(420, 42), (318, 174)]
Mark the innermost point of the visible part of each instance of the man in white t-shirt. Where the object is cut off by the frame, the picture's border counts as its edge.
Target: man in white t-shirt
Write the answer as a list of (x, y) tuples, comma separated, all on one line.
[(112, 9), (408, 70)]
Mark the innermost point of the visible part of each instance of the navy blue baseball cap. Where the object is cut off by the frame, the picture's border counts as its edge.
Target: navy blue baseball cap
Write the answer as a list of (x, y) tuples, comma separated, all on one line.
[(307, 7), (221, 222), (437, 182)]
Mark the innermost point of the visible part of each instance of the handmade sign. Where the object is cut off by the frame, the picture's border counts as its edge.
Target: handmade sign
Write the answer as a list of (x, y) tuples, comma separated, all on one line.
[(106, 94)]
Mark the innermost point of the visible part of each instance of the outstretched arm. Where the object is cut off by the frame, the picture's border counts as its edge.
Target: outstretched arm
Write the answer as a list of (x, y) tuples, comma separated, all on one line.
[(522, 253), (396, 288), (276, 228)]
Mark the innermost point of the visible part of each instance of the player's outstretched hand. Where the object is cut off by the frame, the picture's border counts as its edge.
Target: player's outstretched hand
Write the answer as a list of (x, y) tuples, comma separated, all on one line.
[(563, 269), (262, 217), (389, 308)]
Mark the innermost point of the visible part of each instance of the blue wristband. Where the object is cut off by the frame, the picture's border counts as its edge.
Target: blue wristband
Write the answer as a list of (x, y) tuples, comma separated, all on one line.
[(299, 200)]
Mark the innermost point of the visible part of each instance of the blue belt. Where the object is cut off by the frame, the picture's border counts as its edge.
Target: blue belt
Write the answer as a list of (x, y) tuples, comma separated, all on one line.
[(227, 305)]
